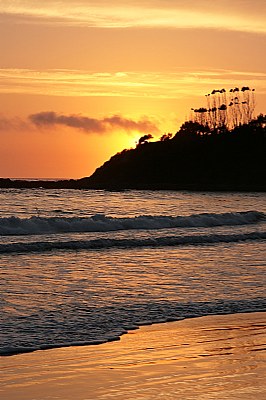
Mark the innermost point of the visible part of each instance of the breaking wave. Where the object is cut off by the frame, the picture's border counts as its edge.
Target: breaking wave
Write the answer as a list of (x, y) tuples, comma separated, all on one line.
[(118, 321), (102, 223), (95, 244)]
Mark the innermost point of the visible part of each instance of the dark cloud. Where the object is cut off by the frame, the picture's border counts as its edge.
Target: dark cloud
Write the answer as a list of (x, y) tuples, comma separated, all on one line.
[(51, 118), (92, 125)]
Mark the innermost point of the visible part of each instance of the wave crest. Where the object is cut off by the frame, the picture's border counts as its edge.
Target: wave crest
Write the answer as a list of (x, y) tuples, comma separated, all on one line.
[(101, 223), (96, 244)]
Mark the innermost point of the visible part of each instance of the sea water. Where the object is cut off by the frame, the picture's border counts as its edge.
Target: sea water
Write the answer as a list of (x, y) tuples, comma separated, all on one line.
[(80, 267)]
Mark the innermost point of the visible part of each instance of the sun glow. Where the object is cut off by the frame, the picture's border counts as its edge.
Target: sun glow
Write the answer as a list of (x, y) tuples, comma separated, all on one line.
[(82, 80)]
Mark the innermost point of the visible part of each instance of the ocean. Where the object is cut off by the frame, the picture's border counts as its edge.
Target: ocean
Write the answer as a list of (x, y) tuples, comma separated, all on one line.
[(83, 267)]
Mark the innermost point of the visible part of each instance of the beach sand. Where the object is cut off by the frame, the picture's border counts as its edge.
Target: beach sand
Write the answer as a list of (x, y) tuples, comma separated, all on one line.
[(214, 357)]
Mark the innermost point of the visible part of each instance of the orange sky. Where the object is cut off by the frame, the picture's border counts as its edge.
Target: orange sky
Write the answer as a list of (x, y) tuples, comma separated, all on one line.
[(81, 80)]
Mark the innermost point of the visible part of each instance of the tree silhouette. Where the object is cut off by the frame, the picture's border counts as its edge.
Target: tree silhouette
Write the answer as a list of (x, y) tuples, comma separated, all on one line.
[(144, 139), (166, 136), (226, 110)]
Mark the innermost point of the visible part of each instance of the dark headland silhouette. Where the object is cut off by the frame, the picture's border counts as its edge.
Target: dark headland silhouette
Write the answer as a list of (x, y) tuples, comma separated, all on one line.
[(221, 147)]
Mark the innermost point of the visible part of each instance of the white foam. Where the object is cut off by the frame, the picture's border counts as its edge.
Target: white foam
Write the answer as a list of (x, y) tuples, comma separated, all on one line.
[(102, 223)]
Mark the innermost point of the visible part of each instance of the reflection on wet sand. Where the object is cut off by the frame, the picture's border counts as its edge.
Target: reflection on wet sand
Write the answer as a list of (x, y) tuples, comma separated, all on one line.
[(215, 357)]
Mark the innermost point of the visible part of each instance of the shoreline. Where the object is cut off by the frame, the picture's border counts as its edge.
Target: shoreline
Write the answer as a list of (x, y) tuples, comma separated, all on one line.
[(124, 331), (210, 357)]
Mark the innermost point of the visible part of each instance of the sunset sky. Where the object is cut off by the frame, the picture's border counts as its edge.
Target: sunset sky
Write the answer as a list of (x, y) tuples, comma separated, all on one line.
[(82, 80)]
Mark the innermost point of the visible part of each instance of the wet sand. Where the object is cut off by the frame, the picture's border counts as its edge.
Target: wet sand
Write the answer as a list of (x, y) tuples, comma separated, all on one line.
[(214, 357)]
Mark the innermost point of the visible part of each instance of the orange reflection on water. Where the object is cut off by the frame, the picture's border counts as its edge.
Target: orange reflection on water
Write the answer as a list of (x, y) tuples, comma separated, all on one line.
[(216, 357)]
